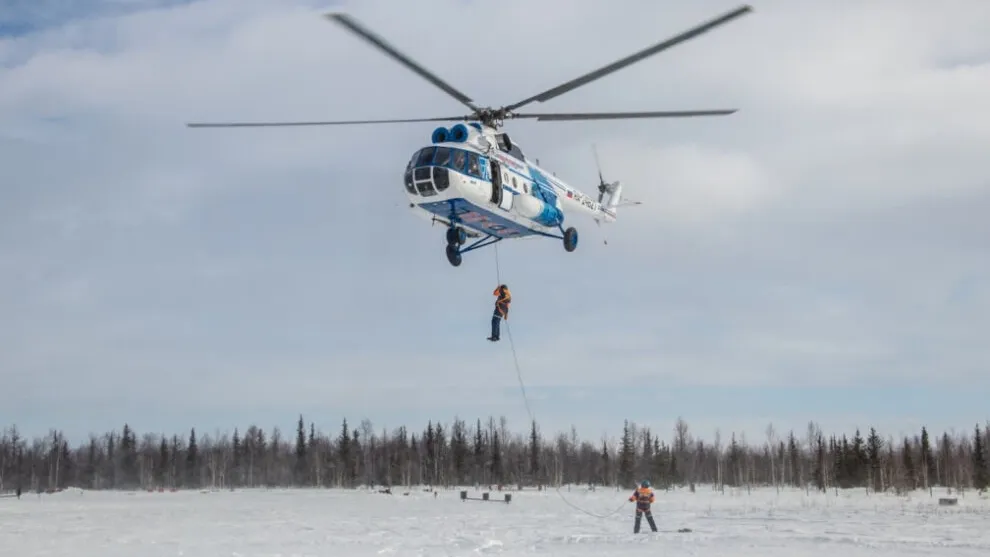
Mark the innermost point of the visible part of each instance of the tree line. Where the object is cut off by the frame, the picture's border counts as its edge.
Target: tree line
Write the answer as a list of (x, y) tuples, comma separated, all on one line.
[(487, 453)]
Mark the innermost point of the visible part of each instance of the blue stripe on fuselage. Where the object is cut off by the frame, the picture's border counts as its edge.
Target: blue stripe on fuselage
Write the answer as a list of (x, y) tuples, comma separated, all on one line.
[(545, 191), (478, 218)]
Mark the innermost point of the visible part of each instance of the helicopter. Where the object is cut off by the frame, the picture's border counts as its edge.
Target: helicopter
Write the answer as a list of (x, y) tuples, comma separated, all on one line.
[(477, 182)]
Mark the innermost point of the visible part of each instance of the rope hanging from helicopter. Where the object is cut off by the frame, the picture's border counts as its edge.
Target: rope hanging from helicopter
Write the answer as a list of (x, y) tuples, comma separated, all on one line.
[(529, 410)]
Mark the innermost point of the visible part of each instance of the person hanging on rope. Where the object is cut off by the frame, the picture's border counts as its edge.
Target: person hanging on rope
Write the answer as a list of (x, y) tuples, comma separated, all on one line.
[(504, 298), (643, 496)]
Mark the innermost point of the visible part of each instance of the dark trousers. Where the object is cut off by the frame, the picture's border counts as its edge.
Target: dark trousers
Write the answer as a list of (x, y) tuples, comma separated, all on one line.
[(639, 518), (496, 321)]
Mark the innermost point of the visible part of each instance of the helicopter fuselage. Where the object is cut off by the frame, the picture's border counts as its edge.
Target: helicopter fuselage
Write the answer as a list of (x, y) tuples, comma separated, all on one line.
[(472, 180), (476, 180)]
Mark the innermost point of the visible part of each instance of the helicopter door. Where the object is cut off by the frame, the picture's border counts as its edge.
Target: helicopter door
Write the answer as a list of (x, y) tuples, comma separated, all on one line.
[(496, 172), (506, 201)]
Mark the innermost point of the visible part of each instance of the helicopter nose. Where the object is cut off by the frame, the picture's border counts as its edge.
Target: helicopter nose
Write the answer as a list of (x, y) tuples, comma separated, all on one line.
[(426, 180)]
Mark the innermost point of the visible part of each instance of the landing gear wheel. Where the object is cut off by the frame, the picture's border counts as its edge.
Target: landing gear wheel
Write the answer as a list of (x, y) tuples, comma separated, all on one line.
[(456, 236), (453, 255), (570, 239)]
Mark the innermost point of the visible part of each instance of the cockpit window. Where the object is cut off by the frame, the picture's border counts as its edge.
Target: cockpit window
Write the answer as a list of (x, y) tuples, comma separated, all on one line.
[(443, 156), (425, 188), (458, 161), (408, 179), (425, 156), (441, 178), (473, 168)]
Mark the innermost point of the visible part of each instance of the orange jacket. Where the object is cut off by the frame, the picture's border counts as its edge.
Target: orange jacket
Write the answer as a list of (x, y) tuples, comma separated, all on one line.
[(503, 301), (643, 496)]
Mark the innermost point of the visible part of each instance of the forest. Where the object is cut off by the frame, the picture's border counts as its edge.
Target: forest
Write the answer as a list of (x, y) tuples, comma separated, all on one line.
[(459, 453)]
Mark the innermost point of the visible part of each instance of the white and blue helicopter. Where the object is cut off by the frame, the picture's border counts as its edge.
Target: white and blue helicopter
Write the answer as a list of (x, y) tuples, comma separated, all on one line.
[(477, 182)]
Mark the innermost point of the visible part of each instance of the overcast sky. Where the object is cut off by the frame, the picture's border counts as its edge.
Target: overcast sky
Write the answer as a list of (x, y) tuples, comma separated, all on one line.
[(820, 255)]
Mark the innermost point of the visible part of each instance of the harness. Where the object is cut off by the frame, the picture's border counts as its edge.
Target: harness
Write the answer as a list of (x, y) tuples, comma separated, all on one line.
[(503, 301)]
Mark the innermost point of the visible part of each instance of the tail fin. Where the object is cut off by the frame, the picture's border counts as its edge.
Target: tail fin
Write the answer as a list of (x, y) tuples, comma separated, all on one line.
[(613, 189), (614, 192)]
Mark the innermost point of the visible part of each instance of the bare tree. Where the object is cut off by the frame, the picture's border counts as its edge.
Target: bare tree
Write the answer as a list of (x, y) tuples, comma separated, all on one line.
[(5, 451), (719, 485), (146, 460), (771, 437), (813, 436), (682, 440), (367, 431)]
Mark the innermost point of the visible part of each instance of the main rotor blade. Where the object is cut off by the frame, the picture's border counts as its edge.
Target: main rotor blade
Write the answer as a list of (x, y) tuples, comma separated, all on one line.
[(633, 58), (563, 116), (330, 123), (366, 34)]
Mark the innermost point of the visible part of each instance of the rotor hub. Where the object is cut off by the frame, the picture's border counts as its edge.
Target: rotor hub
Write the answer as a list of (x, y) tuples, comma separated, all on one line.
[(492, 117)]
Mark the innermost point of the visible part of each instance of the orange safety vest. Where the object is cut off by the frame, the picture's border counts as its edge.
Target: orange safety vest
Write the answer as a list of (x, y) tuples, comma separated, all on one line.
[(503, 301), (643, 496)]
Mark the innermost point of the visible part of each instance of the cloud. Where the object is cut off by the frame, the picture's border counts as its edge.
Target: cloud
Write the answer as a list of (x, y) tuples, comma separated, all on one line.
[(831, 234)]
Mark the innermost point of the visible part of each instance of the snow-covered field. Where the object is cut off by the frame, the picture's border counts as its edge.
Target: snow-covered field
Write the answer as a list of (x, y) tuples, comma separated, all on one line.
[(289, 523)]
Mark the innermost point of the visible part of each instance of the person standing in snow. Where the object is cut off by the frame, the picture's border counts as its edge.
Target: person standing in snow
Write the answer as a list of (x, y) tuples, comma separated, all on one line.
[(644, 498)]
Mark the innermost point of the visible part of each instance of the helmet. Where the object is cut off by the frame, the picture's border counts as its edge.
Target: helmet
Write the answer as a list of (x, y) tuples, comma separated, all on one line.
[(645, 483)]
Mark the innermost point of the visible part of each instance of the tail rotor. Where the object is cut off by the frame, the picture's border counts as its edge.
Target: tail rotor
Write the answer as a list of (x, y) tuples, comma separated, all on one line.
[(603, 186), (613, 189)]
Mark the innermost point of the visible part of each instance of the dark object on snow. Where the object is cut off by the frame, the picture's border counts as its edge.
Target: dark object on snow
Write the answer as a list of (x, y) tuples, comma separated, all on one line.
[(484, 497)]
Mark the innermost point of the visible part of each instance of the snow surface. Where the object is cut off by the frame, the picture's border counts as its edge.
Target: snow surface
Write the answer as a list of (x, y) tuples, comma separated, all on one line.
[(345, 523)]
